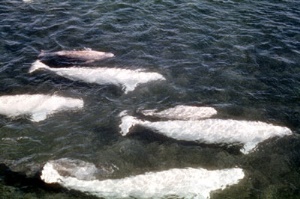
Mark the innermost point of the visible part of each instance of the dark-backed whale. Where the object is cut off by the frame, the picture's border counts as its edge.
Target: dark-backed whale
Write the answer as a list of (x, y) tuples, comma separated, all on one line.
[(73, 57), (37, 106), (127, 79), (195, 183)]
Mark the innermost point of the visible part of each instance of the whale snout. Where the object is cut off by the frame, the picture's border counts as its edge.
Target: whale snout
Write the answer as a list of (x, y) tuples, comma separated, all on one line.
[(110, 55)]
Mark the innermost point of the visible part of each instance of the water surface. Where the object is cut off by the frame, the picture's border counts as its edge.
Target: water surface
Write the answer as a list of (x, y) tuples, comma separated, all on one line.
[(240, 57)]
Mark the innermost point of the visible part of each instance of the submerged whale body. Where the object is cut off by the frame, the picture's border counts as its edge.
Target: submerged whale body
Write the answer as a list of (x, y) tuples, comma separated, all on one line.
[(182, 112), (182, 183), (209, 131), (65, 57), (128, 79), (37, 106)]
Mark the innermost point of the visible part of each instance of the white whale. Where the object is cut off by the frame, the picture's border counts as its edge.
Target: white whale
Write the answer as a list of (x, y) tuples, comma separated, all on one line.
[(128, 79), (183, 183), (210, 131), (38, 106), (75, 168), (182, 112)]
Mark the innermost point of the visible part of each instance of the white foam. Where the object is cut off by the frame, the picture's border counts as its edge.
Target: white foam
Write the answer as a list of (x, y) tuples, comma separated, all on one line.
[(182, 112), (211, 131), (186, 183), (128, 79), (38, 106)]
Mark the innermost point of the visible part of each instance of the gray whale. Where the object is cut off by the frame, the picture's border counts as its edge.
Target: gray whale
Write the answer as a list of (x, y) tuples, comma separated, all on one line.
[(73, 57)]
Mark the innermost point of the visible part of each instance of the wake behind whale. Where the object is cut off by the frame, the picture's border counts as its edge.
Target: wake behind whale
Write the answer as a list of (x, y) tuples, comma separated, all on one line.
[(128, 79)]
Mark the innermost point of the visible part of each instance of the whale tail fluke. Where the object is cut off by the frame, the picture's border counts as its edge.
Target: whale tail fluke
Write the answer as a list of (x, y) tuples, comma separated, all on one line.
[(127, 122), (36, 66)]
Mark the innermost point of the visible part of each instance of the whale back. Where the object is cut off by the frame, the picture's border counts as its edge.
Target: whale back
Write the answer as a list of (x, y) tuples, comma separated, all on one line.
[(126, 78), (38, 106), (183, 183), (73, 57), (209, 131)]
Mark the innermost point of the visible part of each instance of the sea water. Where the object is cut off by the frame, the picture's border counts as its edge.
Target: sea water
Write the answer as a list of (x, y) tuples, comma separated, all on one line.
[(240, 57)]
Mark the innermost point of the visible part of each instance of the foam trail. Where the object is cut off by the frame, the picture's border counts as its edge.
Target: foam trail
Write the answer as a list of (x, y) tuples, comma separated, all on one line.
[(210, 131), (182, 112), (183, 183), (128, 79), (38, 106)]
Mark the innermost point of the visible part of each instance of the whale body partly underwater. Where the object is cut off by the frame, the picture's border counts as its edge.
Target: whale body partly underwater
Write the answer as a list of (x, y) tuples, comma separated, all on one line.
[(128, 79), (195, 183), (37, 106), (74, 56), (209, 131), (182, 112)]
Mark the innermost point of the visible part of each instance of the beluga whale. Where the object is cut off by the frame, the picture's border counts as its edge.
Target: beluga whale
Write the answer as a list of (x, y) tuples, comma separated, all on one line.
[(181, 112), (37, 106), (125, 78), (197, 183), (208, 131), (72, 57)]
